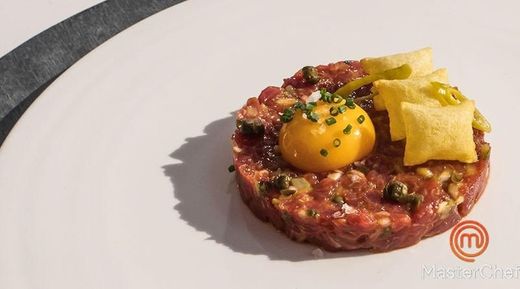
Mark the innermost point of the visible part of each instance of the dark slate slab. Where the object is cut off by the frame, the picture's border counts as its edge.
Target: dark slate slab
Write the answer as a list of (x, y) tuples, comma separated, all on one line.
[(27, 70)]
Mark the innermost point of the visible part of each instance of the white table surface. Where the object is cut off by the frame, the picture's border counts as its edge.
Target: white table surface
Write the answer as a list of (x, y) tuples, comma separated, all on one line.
[(119, 220), (21, 20)]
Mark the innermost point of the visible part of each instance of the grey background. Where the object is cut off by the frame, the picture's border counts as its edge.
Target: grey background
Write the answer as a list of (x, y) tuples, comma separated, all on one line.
[(26, 71)]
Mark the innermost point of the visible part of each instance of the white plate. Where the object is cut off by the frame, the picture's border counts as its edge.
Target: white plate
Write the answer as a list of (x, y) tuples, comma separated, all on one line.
[(116, 176)]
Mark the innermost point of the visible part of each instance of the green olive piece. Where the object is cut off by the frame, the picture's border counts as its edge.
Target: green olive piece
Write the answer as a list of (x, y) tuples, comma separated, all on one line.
[(310, 74), (250, 126)]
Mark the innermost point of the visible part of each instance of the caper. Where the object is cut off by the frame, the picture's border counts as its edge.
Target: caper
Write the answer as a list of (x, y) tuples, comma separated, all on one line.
[(338, 199), (394, 190), (250, 126), (287, 115), (398, 192), (416, 201), (282, 182), (312, 213), (310, 74)]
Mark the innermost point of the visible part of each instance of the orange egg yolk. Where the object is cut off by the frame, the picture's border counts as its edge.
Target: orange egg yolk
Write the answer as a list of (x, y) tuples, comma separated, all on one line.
[(326, 144)]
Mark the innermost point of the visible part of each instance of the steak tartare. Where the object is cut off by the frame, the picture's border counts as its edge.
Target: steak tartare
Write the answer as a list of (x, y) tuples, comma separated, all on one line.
[(353, 207)]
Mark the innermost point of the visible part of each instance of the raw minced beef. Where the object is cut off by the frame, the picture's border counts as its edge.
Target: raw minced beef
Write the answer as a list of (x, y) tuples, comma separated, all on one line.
[(345, 209)]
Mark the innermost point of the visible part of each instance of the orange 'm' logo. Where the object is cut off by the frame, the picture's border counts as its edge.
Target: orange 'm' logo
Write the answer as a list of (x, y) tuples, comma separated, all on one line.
[(468, 240)]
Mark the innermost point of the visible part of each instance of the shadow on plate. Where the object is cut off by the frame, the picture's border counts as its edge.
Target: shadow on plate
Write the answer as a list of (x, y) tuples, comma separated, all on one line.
[(210, 202)]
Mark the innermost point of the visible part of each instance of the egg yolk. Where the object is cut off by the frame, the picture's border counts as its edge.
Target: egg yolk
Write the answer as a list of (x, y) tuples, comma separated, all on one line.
[(323, 145)]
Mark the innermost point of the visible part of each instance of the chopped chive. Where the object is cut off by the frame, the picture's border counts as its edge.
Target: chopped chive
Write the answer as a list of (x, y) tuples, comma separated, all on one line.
[(333, 111), (347, 129), (361, 119), (342, 108), (350, 103), (336, 143), (231, 168), (324, 152), (325, 95), (311, 105), (299, 105), (312, 116), (323, 91), (330, 121), (287, 115), (336, 98)]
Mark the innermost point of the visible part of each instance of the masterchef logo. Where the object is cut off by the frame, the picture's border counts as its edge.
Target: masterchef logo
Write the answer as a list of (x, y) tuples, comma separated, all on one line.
[(468, 240)]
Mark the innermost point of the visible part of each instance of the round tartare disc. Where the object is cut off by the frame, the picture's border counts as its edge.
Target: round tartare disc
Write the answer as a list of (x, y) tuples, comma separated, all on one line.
[(344, 209)]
